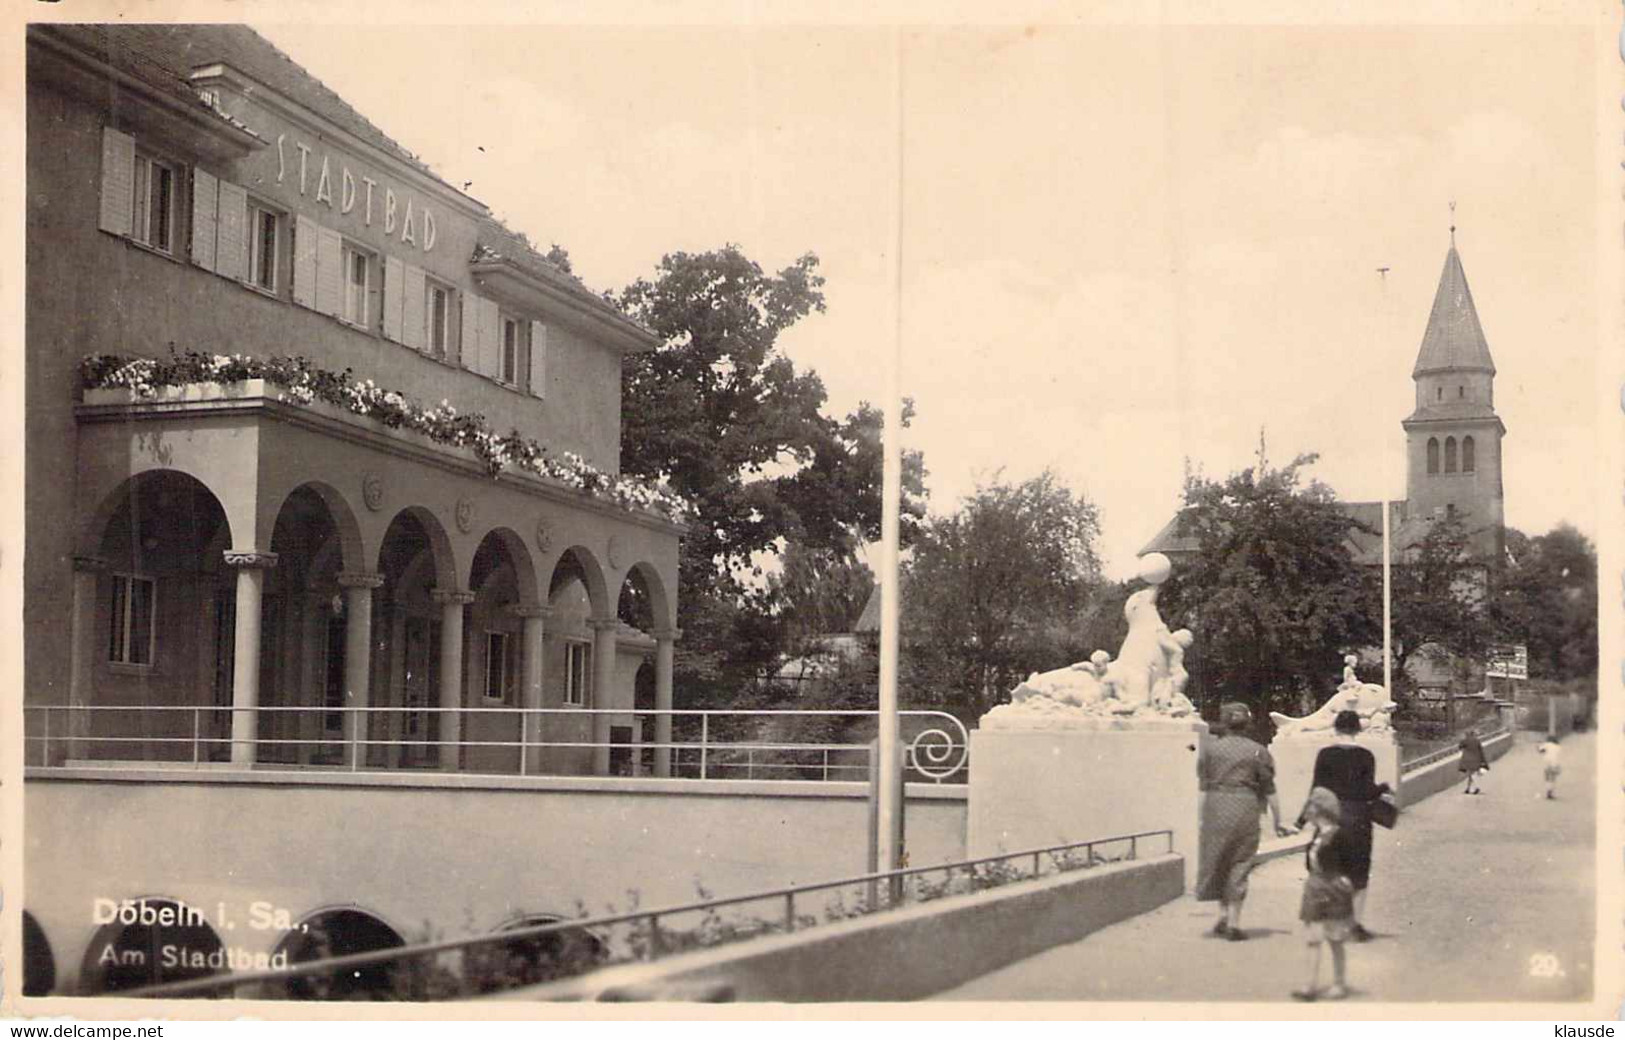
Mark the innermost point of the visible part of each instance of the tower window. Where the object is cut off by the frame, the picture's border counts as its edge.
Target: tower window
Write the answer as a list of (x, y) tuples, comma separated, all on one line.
[(1461, 392), (1433, 454), (1450, 454), (1450, 511), (1439, 391), (1467, 460)]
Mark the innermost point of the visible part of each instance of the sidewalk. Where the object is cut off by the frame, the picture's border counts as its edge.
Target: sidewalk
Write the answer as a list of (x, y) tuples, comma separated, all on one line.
[(1485, 898)]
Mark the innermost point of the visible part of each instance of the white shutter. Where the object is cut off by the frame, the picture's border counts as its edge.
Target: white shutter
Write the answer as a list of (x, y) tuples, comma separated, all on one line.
[(329, 271), (491, 338), (231, 250), (538, 359), (205, 200), (304, 261), (394, 295), (413, 316), (470, 347), (118, 181)]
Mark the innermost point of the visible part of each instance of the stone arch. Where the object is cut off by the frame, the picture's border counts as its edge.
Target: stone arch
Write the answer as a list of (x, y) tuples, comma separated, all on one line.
[(126, 955), (519, 555), (441, 552), (579, 561), (336, 931), (527, 961), (648, 596), (1433, 454), (353, 554), (93, 526), (39, 961)]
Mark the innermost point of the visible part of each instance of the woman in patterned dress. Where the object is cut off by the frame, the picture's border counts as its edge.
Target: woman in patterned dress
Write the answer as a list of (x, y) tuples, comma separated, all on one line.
[(1237, 778)]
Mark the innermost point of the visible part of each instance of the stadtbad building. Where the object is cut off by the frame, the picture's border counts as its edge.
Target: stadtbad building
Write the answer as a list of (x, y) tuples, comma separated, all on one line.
[(265, 533)]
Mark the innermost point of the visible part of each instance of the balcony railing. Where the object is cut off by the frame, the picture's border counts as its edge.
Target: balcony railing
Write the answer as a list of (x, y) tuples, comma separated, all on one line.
[(722, 744)]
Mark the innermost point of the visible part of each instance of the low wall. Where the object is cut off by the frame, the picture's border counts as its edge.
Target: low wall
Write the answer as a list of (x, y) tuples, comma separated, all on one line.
[(905, 954), (1444, 774), (441, 855)]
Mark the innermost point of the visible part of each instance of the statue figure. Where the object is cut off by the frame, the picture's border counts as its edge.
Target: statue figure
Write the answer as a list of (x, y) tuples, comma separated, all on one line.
[(1369, 700), (1349, 678), (1148, 675)]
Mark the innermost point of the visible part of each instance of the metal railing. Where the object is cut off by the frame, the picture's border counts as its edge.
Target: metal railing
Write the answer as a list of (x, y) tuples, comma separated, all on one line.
[(660, 940), (707, 744), (1487, 729)]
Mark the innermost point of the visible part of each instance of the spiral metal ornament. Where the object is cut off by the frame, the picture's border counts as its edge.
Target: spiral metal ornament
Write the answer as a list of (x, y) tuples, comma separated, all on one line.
[(936, 753)]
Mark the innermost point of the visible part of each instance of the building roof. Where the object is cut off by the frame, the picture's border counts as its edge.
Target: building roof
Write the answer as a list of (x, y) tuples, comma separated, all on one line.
[(1366, 546), (1454, 339), (164, 57)]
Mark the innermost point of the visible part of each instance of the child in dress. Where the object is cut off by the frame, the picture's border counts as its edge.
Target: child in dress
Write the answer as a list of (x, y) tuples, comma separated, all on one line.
[(1554, 764), (1328, 895)]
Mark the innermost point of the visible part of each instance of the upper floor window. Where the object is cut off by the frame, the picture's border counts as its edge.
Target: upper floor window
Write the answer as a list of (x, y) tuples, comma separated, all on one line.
[(1439, 393), (1433, 454), (1450, 454), (509, 370), (154, 221), (1468, 462), (357, 272), (264, 246), (437, 319), (133, 633), (1461, 393)]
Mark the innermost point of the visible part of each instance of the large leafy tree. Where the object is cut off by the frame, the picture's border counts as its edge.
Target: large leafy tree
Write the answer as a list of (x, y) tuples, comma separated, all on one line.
[(722, 414), (1272, 595), (818, 592), (994, 591), (1546, 598), (1440, 597)]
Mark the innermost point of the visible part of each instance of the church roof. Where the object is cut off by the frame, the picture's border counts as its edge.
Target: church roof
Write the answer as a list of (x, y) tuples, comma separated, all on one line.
[(1454, 340)]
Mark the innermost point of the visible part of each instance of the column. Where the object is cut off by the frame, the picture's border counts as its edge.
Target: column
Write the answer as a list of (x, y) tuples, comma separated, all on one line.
[(451, 603), (603, 680), (245, 675), (530, 691), (664, 641), (358, 587), (76, 723)]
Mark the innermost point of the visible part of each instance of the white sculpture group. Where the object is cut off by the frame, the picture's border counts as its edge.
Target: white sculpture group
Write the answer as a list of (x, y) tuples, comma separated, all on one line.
[(1368, 700), (1146, 679)]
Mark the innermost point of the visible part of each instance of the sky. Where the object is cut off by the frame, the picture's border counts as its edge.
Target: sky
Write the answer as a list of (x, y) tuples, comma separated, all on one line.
[(1125, 249)]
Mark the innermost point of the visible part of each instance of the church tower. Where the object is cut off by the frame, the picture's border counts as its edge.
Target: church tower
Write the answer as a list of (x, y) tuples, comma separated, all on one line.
[(1453, 438)]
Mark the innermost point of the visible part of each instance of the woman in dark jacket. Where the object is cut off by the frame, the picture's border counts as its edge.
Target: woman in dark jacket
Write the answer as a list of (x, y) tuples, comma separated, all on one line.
[(1350, 771), (1473, 761)]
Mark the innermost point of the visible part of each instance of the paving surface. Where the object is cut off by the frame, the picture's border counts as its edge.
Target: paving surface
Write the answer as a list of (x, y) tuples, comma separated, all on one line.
[(1473, 898)]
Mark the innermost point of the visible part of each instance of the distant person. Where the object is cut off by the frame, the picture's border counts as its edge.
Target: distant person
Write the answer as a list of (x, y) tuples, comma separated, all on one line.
[(1473, 762), (1237, 779), (1554, 763), (1327, 909), (1349, 771)]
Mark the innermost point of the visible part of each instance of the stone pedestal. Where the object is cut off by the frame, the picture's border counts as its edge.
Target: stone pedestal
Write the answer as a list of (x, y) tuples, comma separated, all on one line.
[(1032, 788), (1295, 765)]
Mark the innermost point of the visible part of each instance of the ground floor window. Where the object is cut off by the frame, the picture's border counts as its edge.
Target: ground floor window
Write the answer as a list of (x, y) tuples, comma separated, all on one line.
[(144, 942), (499, 665), (578, 673), (133, 636)]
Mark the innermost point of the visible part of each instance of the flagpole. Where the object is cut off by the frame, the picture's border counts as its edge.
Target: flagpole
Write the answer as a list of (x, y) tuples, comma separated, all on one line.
[(889, 795), (1387, 608)]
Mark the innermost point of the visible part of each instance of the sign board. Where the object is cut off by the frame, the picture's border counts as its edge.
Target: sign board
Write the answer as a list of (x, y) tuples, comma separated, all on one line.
[(1508, 662)]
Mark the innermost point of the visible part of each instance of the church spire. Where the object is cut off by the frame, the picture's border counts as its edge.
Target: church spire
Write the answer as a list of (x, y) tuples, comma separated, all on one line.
[(1454, 340)]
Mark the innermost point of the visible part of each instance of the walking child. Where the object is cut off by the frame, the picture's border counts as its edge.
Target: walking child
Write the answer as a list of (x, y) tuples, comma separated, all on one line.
[(1554, 764), (1327, 910)]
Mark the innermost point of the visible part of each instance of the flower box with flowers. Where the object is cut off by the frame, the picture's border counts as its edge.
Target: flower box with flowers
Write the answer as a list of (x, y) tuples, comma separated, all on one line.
[(116, 379)]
